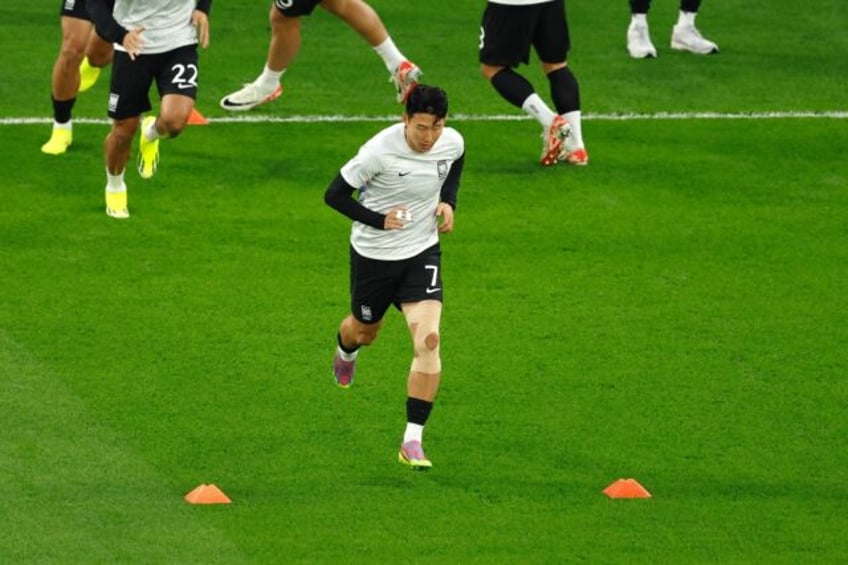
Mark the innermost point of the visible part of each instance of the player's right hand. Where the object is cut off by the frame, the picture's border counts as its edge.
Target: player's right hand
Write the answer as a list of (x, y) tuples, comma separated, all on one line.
[(397, 218)]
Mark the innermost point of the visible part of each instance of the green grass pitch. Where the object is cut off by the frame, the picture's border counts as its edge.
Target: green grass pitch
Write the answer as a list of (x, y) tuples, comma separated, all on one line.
[(675, 312)]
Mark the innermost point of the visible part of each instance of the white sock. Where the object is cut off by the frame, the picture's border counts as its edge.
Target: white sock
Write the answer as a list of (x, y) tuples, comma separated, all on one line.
[(537, 108), (67, 125), (269, 80), (686, 18), (413, 432), (345, 355), (390, 54), (573, 119), (639, 19), (115, 183), (150, 132)]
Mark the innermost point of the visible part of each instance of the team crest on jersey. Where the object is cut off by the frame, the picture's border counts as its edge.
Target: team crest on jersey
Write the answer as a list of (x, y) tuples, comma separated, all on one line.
[(69, 4), (113, 101), (365, 312), (442, 167)]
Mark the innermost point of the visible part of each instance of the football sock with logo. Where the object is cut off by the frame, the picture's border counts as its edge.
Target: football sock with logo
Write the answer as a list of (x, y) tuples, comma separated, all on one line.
[(573, 119), (534, 106)]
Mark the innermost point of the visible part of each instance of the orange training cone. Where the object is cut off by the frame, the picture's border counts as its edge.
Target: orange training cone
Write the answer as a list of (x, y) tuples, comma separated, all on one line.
[(626, 488), (196, 118), (207, 494)]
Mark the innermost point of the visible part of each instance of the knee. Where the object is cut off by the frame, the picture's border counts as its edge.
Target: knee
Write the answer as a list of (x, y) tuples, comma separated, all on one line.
[(366, 336), (488, 71), (363, 334), (72, 52), (427, 359), (123, 132), (99, 53), (431, 341), (549, 68), (170, 125), (427, 344)]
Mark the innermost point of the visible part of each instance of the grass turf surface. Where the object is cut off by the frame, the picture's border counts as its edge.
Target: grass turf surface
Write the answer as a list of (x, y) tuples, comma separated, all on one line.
[(674, 312)]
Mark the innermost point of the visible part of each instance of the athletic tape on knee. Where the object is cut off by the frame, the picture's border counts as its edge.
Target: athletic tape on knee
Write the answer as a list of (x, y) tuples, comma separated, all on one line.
[(426, 344)]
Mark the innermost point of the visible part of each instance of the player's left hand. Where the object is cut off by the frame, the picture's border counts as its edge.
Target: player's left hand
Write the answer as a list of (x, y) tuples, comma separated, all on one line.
[(201, 23), (445, 212)]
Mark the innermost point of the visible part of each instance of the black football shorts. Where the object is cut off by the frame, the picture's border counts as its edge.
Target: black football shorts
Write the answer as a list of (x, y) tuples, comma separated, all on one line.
[(375, 284), (175, 72)]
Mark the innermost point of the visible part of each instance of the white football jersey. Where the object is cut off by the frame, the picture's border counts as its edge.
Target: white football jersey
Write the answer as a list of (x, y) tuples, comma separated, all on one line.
[(389, 174), (167, 23)]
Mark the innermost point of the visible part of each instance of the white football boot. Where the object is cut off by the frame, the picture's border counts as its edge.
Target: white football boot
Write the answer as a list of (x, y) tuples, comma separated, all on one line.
[(639, 43), (688, 38), (249, 97)]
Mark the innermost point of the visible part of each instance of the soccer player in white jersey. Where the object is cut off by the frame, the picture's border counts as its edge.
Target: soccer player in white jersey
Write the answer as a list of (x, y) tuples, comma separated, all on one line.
[(508, 30), (407, 177), (155, 40), (684, 36), (82, 54), (285, 19)]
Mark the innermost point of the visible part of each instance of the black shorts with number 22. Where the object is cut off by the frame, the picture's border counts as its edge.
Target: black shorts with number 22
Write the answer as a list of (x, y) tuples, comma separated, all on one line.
[(174, 72)]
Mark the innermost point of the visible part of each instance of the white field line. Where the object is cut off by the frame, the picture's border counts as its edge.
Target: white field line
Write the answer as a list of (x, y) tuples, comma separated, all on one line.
[(265, 119)]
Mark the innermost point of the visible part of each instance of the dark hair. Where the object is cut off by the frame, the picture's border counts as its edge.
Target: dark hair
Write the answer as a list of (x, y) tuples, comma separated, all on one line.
[(425, 99)]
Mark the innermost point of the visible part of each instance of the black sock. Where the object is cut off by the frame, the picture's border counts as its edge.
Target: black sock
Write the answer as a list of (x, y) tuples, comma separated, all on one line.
[(564, 90), (690, 5), (640, 6), (417, 410), (345, 349), (512, 86), (62, 110)]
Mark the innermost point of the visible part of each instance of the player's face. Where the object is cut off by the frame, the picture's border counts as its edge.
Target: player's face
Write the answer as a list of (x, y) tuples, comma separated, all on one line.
[(422, 131)]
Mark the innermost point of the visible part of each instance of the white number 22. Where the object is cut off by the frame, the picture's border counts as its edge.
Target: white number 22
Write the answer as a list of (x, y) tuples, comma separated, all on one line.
[(185, 76)]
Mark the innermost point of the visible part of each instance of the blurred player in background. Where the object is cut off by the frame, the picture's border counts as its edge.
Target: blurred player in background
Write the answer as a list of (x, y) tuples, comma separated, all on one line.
[(508, 30), (82, 54), (408, 177), (285, 44), (684, 36), (155, 41)]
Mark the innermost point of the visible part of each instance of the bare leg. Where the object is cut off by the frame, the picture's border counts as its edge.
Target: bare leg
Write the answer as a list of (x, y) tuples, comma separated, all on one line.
[(285, 40), (360, 17), (98, 51), (66, 77)]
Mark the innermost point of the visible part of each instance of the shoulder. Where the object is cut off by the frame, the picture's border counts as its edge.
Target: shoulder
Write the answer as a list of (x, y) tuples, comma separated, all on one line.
[(387, 140), (374, 154), (454, 140)]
